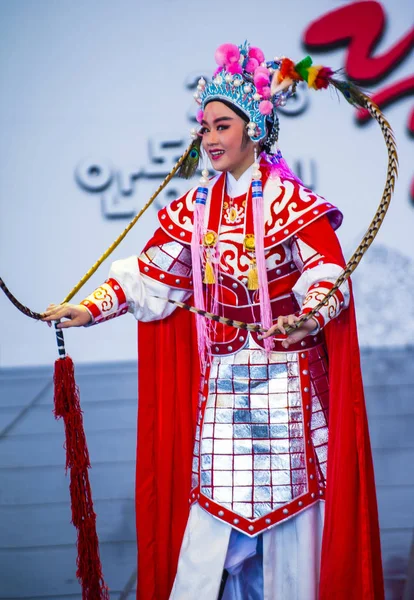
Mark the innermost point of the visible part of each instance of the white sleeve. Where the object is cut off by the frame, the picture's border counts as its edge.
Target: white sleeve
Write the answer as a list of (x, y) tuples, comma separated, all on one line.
[(143, 286), (141, 291)]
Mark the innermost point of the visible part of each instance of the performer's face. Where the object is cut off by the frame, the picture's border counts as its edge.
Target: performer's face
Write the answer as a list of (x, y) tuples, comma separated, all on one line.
[(225, 139)]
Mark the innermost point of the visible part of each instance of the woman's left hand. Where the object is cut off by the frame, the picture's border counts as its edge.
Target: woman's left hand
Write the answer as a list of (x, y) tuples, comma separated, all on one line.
[(294, 337)]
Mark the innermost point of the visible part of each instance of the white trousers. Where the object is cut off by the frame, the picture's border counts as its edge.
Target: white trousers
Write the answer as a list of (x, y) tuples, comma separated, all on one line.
[(291, 559)]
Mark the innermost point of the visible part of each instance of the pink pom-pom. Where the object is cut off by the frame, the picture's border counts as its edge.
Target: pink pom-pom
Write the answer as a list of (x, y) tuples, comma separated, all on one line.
[(227, 54), (200, 116), (265, 107), (251, 65), (265, 91), (257, 54), (262, 71), (217, 71), (234, 68), (261, 77)]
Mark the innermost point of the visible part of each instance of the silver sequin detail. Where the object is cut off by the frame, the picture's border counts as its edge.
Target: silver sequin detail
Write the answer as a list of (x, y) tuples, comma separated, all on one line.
[(252, 447)]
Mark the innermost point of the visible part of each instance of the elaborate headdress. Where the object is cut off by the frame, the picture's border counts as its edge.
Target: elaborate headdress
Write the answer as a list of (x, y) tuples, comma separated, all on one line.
[(256, 87), (243, 79)]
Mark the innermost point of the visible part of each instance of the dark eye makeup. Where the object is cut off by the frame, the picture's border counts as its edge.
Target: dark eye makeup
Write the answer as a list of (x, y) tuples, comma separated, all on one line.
[(204, 130)]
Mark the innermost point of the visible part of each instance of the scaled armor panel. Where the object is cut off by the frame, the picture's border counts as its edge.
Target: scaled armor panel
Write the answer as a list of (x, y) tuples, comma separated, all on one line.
[(260, 455)]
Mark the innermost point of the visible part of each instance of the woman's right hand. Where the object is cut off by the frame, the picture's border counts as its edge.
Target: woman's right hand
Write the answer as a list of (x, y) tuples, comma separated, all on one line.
[(77, 315)]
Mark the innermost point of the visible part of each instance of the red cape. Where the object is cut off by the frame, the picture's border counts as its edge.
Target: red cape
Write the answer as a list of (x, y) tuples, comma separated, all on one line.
[(168, 380), (168, 383), (351, 564)]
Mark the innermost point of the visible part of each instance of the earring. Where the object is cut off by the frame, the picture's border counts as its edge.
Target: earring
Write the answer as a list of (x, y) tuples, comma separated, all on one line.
[(256, 175), (204, 173), (251, 129)]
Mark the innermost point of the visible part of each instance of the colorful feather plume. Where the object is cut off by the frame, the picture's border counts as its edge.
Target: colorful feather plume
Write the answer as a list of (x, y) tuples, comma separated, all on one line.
[(317, 77)]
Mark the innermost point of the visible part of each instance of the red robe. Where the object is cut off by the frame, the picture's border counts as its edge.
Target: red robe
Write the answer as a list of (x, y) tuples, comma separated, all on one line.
[(168, 385)]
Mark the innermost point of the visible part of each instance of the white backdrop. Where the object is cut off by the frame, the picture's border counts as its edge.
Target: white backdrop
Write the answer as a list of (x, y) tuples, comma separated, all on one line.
[(102, 83)]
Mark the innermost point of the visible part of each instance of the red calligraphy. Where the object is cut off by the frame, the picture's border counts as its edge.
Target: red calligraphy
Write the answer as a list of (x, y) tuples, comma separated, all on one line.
[(359, 27)]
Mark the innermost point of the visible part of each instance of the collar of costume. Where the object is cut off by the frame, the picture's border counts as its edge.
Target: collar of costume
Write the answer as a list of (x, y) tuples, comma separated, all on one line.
[(288, 207), (215, 208), (237, 187)]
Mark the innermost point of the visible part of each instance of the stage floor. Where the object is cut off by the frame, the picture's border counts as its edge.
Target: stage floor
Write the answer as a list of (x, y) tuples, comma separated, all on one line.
[(37, 540)]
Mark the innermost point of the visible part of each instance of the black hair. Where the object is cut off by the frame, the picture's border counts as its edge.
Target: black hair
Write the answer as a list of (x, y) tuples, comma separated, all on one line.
[(232, 107), (265, 144)]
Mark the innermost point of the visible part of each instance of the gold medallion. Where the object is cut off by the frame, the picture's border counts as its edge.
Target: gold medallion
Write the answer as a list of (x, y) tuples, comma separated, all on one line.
[(249, 242), (232, 214), (210, 239)]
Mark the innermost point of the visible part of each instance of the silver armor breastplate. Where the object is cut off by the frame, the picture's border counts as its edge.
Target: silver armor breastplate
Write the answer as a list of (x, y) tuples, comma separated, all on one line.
[(260, 456)]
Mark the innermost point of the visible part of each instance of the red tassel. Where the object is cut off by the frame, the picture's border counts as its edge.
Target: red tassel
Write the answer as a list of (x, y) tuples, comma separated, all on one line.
[(67, 406)]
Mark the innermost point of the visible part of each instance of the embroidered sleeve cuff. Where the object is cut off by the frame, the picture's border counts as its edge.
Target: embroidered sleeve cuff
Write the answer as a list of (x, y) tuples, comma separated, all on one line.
[(318, 318), (316, 293), (106, 302)]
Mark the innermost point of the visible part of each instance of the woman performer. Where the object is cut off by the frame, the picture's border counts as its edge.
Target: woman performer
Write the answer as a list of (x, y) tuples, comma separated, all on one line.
[(253, 244)]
